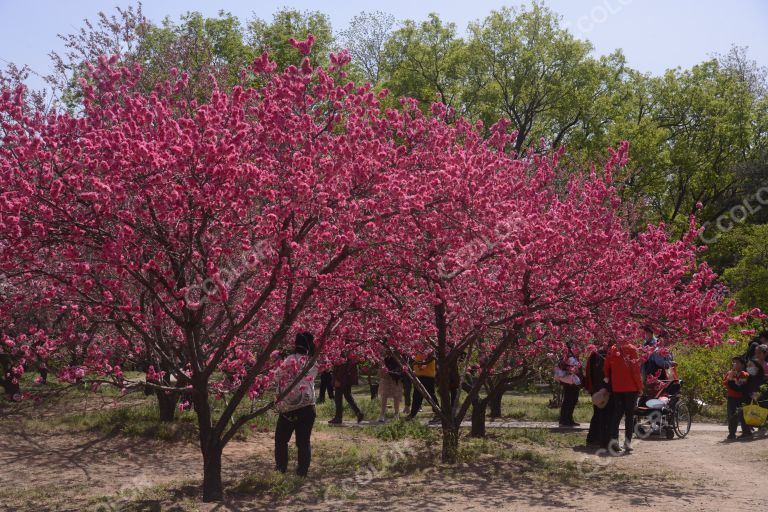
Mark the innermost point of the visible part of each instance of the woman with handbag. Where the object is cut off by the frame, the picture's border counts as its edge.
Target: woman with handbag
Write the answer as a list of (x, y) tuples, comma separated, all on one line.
[(568, 374), (600, 424)]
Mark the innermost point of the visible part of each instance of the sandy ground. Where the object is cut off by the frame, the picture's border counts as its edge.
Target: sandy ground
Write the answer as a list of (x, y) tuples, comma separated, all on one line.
[(700, 472)]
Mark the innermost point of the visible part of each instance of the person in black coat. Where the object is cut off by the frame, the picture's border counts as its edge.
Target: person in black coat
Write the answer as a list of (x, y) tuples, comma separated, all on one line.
[(599, 425)]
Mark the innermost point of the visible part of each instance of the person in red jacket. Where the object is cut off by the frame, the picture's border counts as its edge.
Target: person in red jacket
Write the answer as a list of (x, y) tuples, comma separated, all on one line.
[(622, 374), (735, 381)]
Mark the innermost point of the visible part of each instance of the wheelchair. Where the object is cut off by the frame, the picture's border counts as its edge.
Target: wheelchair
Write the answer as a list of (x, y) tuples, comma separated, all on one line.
[(664, 412)]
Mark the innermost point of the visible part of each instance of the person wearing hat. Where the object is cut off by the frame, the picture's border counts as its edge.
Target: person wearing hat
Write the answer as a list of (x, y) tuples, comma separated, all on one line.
[(295, 405)]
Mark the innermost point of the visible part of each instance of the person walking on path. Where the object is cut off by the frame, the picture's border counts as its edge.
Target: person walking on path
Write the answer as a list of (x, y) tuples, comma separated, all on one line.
[(622, 374), (390, 386), (326, 385), (344, 377), (297, 408), (425, 370)]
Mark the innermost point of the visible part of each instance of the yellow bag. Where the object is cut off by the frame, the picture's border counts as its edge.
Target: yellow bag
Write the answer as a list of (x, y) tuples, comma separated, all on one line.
[(754, 415)]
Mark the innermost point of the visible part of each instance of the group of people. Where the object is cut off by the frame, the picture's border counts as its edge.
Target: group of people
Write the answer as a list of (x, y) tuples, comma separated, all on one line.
[(743, 382), (392, 385), (615, 377)]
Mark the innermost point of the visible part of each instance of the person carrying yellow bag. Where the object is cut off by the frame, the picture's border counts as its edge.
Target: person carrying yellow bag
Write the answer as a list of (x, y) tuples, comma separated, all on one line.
[(751, 391)]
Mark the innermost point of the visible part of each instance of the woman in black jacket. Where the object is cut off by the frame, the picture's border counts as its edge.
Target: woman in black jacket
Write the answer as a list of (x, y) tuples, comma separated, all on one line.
[(599, 425)]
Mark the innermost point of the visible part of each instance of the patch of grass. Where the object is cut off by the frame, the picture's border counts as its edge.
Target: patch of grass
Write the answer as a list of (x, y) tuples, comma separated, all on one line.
[(48, 497), (400, 429), (535, 407), (344, 456), (273, 483), (138, 420)]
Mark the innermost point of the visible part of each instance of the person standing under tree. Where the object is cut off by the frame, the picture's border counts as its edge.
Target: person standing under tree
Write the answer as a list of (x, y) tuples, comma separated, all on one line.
[(297, 408), (390, 386), (622, 374), (425, 370), (735, 381), (326, 384), (567, 374), (344, 377), (599, 425)]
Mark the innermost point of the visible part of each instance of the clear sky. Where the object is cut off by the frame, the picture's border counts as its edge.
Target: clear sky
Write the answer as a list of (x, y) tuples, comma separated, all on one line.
[(654, 34)]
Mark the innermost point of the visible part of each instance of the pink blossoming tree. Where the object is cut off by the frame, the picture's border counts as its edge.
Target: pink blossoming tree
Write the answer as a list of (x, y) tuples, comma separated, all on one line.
[(205, 234)]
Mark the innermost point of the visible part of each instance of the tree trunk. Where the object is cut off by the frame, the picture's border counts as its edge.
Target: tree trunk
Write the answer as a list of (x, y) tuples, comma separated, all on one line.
[(11, 389), (213, 490), (167, 402), (450, 453), (478, 417), (210, 443), (496, 403), (6, 378)]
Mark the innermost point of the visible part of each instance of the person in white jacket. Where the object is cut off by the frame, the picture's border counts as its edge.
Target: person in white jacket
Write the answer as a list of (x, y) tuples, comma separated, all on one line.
[(297, 408), (567, 373)]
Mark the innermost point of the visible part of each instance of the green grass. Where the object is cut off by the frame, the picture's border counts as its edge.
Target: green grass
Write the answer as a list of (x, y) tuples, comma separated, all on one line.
[(535, 407), (401, 429), (272, 483)]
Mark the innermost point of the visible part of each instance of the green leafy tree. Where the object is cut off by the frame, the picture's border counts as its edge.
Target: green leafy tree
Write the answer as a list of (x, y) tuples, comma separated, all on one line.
[(748, 276), (537, 74), (287, 24), (428, 62)]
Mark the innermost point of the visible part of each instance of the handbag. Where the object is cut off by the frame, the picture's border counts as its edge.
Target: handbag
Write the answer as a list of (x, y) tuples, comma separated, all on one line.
[(754, 415), (600, 398)]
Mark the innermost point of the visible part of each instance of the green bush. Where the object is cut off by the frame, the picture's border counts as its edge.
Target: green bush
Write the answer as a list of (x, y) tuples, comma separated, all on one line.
[(702, 370)]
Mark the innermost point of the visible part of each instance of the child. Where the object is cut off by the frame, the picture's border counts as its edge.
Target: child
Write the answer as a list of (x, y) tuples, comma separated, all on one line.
[(735, 381), (390, 386)]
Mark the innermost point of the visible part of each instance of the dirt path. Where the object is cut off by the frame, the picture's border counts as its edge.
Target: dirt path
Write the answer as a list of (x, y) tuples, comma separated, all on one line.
[(702, 473)]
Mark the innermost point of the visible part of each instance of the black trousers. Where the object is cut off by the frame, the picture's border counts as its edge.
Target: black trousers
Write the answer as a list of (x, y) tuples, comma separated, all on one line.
[(570, 399), (418, 398), (735, 416), (326, 384), (339, 395), (300, 421), (407, 391), (600, 426), (623, 406)]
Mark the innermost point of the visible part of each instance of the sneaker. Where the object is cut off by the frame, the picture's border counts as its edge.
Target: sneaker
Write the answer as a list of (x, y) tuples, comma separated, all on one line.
[(381, 420), (627, 448), (574, 424), (435, 420), (360, 417), (565, 425), (335, 421), (746, 435), (614, 448), (731, 437), (409, 418)]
